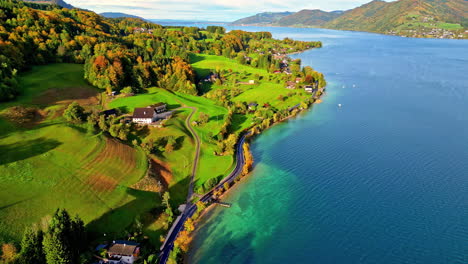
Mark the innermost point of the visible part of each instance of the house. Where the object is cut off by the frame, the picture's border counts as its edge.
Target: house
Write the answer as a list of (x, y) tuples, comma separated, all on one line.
[(159, 107), (298, 80), (252, 106), (290, 85), (123, 252), (309, 88), (212, 77), (145, 115)]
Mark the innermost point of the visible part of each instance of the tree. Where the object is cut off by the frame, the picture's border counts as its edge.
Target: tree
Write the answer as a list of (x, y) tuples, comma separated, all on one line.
[(166, 203), (203, 118), (183, 241), (189, 225), (170, 144), (65, 239), (31, 247), (230, 143), (9, 253), (74, 113)]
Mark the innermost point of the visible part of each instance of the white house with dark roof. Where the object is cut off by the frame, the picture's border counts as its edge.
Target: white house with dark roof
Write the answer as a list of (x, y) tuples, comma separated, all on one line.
[(123, 252), (146, 115)]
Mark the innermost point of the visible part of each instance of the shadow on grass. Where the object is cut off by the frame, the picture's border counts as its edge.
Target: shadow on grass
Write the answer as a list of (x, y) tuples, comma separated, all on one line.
[(179, 192), (203, 87), (216, 118), (237, 121), (117, 223), (194, 58), (26, 149)]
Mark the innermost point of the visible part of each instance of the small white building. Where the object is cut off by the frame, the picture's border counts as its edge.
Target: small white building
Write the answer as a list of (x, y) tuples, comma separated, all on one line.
[(309, 88), (123, 252), (145, 115)]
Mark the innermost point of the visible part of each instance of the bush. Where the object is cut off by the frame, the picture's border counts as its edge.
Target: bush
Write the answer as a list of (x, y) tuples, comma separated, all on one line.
[(74, 113), (21, 115)]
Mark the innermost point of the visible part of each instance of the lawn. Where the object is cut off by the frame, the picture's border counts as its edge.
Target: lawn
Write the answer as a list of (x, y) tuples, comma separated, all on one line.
[(54, 165), (181, 159), (204, 64)]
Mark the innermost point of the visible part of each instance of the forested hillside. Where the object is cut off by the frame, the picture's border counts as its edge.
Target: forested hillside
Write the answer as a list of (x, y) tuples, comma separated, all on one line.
[(306, 17), (413, 18), (262, 18), (416, 18), (117, 53), (117, 15)]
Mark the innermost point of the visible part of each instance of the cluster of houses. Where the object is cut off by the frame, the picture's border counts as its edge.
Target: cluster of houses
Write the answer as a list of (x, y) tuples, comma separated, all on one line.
[(120, 252), (150, 114), (142, 30), (295, 84)]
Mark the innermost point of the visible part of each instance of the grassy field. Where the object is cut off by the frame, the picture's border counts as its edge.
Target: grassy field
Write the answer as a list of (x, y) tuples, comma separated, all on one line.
[(53, 165), (264, 91), (182, 158)]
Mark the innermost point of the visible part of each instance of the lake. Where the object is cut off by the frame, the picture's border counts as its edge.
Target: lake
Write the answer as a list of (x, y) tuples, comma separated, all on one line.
[(382, 179)]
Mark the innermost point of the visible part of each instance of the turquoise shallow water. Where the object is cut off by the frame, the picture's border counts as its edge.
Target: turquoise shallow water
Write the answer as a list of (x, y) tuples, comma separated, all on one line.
[(383, 179)]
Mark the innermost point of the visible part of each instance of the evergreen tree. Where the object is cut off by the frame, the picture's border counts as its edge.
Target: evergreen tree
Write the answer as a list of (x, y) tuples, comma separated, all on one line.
[(64, 240), (31, 247)]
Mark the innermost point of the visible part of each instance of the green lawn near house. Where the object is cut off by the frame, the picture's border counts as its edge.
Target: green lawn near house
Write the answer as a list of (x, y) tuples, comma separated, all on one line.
[(51, 164)]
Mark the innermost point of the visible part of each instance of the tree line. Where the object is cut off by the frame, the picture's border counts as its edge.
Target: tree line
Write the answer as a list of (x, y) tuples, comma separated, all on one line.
[(118, 53)]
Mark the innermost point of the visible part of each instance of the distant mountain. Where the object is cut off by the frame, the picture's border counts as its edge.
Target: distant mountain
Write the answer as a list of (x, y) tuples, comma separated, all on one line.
[(52, 2), (413, 18), (423, 18), (118, 15), (262, 18), (309, 18)]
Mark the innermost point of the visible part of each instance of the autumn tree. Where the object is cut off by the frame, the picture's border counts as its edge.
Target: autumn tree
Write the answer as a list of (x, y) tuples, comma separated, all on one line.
[(9, 253)]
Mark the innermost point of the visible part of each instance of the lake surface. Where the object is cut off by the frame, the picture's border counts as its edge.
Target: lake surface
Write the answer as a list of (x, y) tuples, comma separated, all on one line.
[(383, 179)]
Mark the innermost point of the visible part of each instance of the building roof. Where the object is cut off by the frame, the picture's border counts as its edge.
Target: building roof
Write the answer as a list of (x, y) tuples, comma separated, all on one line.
[(147, 112), (122, 249), (158, 105)]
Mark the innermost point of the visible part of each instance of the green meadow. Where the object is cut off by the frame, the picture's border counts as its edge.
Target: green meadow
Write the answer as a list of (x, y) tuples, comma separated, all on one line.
[(182, 158), (51, 164)]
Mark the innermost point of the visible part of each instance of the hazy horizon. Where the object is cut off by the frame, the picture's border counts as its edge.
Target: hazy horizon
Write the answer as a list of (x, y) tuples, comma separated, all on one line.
[(210, 10)]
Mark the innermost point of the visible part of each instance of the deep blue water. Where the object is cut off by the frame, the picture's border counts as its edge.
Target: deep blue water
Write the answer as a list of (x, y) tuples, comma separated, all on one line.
[(383, 179)]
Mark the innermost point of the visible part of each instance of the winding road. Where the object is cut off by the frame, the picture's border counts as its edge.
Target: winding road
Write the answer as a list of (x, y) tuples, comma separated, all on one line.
[(178, 225)]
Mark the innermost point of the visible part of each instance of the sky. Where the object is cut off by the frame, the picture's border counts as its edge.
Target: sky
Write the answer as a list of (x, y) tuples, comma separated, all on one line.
[(209, 10)]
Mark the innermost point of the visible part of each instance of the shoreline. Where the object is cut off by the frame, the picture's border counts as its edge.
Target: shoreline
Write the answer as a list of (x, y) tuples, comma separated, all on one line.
[(238, 172), (239, 178), (346, 30)]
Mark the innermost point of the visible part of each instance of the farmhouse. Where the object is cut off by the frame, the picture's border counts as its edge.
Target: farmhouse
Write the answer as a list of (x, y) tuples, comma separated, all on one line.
[(145, 115), (123, 252), (309, 88), (252, 106)]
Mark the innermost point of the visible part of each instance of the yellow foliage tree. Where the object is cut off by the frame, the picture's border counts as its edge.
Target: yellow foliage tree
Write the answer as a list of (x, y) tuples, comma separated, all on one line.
[(9, 253), (183, 241)]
